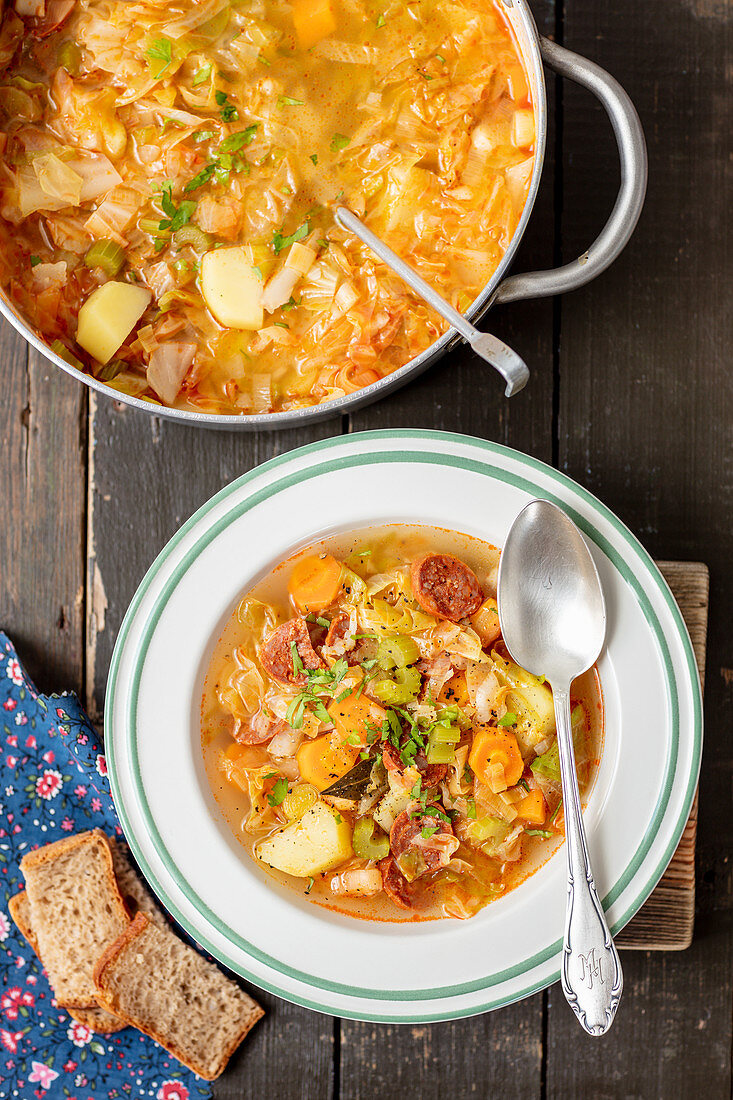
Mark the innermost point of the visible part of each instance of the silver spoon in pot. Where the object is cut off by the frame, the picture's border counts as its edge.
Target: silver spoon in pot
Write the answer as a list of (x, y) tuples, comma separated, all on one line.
[(553, 621), (513, 370)]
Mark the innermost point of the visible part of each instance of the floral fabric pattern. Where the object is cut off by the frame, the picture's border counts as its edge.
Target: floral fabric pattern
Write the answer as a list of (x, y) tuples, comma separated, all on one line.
[(53, 782)]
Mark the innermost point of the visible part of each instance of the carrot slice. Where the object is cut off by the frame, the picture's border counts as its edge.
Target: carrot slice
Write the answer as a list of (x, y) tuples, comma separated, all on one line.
[(322, 762), (352, 717), (314, 583), (493, 747), (533, 807)]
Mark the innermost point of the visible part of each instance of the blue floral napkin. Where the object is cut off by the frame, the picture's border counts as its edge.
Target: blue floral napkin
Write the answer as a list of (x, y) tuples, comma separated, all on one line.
[(53, 781)]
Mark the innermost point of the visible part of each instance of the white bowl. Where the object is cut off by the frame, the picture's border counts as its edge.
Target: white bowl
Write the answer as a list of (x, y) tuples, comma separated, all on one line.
[(437, 970)]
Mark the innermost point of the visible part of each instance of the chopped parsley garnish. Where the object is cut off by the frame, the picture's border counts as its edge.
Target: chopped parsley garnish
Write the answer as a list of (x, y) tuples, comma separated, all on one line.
[(509, 719), (203, 177), (288, 101), (237, 141), (160, 54), (35, 260), (176, 216), (321, 681), (314, 158), (339, 141), (440, 57), (309, 887), (325, 623), (202, 74), (290, 304), (381, 20), (278, 792), (225, 159), (228, 112), (279, 242)]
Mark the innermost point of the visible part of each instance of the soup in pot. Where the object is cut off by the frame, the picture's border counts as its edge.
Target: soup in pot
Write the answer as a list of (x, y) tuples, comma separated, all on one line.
[(171, 169)]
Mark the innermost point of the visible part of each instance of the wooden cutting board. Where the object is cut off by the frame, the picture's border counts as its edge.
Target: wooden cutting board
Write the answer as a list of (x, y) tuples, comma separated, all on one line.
[(666, 921)]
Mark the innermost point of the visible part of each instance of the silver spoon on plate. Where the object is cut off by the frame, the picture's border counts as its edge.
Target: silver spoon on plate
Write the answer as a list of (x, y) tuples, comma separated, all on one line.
[(513, 370), (553, 621)]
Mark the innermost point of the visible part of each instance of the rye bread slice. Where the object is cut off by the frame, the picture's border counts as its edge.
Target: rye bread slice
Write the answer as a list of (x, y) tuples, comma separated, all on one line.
[(95, 1018), (76, 911), (157, 983)]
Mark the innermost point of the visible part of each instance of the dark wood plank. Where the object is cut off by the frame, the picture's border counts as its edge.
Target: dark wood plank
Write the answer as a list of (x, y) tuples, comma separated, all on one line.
[(498, 1054), (146, 478), (645, 415), (289, 1055), (42, 486)]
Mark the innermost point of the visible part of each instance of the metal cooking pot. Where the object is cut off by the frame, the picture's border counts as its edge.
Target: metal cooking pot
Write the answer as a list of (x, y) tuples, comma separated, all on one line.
[(536, 51)]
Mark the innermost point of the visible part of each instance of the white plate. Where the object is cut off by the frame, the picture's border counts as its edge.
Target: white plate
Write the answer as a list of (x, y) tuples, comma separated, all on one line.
[(369, 970)]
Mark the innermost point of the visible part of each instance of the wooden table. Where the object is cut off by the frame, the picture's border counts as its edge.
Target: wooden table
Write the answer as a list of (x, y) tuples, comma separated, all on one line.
[(630, 395)]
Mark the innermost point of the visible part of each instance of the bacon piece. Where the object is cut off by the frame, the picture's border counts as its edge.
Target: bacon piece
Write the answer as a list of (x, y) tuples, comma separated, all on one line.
[(338, 636), (276, 655), (259, 730), (445, 586), (430, 774), (406, 836)]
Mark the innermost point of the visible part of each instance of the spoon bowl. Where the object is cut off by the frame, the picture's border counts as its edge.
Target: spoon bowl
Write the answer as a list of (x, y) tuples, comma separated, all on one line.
[(551, 607), (553, 621)]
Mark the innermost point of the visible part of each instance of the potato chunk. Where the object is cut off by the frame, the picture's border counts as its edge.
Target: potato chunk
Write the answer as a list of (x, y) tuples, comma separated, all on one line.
[(320, 840), (108, 316), (232, 288)]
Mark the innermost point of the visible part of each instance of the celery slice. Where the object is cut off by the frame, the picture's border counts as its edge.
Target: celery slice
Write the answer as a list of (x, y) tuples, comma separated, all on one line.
[(368, 841), (106, 254)]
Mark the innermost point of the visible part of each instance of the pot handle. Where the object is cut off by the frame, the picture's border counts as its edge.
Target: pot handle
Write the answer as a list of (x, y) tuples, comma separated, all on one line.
[(629, 201)]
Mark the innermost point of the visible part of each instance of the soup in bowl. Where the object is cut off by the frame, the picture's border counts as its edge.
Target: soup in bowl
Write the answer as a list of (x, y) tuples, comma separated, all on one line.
[(369, 740), (171, 170)]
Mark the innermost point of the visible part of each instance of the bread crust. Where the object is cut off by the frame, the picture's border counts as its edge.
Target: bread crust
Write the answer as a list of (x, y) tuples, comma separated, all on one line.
[(109, 957)]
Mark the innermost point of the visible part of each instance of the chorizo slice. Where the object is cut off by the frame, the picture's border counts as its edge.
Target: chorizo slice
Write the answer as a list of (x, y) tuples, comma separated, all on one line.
[(430, 774), (444, 586), (276, 654), (394, 883), (423, 854)]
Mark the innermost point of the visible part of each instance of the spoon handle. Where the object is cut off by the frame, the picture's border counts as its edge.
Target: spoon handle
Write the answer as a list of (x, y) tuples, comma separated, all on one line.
[(591, 974)]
